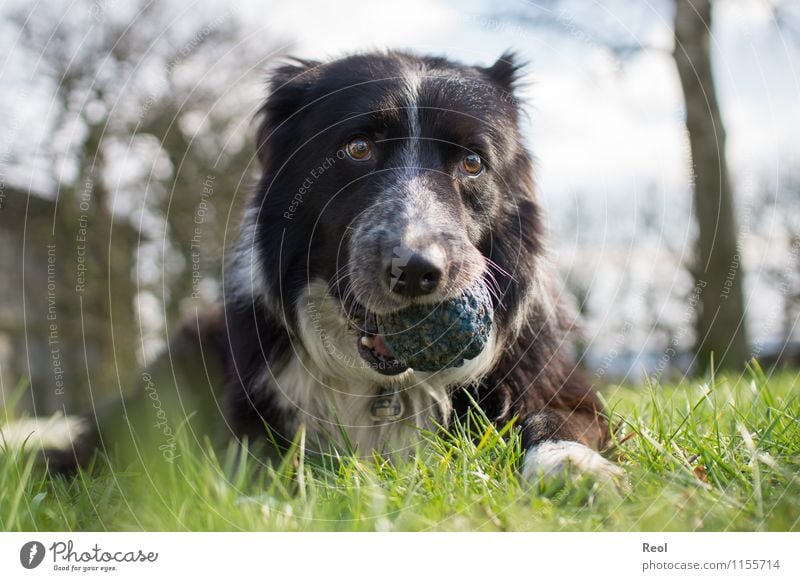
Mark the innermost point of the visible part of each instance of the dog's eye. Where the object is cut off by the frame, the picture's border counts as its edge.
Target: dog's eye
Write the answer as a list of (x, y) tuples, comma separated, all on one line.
[(472, 164), (359, 149)]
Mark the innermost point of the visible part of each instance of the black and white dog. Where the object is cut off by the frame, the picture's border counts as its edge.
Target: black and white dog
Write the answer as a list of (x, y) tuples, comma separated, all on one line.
[(390, 179)]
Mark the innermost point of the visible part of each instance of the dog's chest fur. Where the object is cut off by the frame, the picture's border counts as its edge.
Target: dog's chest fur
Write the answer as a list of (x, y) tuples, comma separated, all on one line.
[(328, 406)]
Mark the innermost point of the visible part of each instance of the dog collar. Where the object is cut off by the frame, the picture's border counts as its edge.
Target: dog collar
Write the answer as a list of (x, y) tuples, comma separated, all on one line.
[(387, 406)]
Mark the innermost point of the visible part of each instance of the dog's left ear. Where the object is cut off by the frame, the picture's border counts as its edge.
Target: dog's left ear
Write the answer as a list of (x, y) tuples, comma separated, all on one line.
[(505, 72), (288, 85)]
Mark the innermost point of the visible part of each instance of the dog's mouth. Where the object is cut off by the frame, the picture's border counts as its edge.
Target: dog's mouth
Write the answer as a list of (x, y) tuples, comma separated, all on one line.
[(371, 346)]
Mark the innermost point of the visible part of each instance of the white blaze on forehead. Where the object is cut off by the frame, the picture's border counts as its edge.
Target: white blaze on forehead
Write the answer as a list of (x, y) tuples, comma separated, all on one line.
[(416, 211), (411, 210), (412, 81)]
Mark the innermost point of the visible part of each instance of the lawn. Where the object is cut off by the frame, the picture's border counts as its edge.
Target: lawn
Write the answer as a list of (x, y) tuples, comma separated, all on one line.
[(721, 454)]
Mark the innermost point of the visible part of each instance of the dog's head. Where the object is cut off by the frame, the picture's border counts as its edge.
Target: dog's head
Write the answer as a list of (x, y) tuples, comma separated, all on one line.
[(388, 179)]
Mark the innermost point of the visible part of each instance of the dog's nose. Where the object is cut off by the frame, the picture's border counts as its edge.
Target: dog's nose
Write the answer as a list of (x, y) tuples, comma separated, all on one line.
[(415, 274)]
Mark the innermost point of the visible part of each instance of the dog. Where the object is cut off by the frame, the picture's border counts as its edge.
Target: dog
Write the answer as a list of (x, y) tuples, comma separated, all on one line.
[(390, 179)]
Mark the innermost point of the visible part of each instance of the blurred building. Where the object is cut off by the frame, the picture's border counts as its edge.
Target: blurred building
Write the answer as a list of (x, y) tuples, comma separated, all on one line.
[(54, 325)]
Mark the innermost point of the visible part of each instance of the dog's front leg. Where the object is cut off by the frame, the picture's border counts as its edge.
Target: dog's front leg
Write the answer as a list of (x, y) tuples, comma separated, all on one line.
[(565, 442)]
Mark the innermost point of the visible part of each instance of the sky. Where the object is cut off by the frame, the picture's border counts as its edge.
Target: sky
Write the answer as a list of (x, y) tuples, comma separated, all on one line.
[(594, 124)]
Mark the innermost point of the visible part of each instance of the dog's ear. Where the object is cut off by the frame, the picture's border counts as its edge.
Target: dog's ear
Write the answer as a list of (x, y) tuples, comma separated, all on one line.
[(287, 90), (505, 72)]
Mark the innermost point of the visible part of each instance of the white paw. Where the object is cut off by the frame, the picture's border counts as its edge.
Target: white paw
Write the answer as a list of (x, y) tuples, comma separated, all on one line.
[(551, 459), (58, 432)]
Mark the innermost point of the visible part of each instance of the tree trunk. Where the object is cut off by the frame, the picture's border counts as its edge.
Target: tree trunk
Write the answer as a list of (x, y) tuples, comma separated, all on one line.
[(718, 270)]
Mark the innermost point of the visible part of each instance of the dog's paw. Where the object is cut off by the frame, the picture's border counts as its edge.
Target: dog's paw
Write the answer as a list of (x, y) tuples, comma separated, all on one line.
[(549, 460)]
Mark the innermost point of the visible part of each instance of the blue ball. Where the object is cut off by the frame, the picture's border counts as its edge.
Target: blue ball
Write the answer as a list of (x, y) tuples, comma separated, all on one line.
[(435, 336)]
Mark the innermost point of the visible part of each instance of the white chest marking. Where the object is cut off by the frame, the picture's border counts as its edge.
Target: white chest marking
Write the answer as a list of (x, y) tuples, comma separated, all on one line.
[(328, 388)]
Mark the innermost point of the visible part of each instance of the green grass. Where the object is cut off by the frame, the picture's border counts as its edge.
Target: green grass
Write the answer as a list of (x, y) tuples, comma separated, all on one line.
[(721, 455)]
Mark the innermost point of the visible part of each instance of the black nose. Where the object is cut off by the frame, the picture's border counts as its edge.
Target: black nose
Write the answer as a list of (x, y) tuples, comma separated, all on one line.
[(413, 275)]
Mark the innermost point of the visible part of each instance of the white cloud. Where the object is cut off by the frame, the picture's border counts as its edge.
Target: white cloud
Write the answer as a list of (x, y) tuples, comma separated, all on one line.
[(323, 29), (610, 132)]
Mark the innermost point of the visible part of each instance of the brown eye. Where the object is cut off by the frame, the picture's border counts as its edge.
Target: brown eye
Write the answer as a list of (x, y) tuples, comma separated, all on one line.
[(472, 164), (359, 149)]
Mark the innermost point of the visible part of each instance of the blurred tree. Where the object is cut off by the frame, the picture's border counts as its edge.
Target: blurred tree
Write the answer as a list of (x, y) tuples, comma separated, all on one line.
[(721, 328), (148, 108), (717, 266)]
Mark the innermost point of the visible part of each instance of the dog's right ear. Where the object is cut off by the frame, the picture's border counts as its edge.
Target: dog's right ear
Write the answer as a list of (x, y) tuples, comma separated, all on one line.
[(287, 91), (505, 72)]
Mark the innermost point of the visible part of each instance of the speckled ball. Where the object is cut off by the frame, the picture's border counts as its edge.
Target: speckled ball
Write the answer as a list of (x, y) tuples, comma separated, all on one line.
[(432, 337)]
